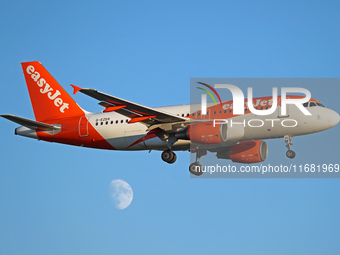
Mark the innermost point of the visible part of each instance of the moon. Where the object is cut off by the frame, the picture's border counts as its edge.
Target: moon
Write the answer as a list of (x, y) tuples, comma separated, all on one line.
[(121, 193)]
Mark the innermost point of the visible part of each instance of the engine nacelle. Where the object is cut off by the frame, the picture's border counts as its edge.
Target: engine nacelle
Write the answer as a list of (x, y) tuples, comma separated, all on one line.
[(207, 133), (246, 152), (213, 133)]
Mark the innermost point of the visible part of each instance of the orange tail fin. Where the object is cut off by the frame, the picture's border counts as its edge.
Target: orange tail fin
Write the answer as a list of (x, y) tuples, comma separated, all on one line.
[(49, 99)]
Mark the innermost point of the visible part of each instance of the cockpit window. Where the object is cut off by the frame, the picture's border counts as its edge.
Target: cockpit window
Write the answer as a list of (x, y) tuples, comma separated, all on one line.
[(311, 104)]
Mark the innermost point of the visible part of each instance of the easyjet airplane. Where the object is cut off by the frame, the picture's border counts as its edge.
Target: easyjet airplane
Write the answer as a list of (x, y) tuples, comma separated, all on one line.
[(124, 125)]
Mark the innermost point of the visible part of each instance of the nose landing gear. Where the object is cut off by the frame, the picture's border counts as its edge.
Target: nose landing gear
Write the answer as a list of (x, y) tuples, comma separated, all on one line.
[(196, 168), (288, 140)]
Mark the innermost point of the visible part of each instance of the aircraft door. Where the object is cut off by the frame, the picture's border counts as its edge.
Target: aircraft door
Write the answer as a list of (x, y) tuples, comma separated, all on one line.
[(279, 115), (84, 126)]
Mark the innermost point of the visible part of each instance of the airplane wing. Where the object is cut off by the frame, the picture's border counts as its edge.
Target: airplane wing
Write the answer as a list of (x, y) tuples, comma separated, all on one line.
[(150, 117), (29, 123)]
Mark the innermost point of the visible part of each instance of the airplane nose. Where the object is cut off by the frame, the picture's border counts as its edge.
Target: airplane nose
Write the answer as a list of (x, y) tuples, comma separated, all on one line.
[(333, 118)]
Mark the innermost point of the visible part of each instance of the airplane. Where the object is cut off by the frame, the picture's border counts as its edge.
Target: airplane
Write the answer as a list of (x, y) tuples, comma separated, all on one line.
[(128, 126)]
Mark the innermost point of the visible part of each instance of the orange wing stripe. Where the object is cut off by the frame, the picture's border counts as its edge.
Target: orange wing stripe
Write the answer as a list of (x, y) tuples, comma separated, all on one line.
[(114, 108), (138, 119)]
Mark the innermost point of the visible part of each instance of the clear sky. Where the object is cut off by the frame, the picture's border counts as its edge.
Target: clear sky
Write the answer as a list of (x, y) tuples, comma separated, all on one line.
[(54, 198)]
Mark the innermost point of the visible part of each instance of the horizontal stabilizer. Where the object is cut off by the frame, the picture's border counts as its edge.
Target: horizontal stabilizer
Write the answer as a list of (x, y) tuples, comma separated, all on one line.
[(29, 123)]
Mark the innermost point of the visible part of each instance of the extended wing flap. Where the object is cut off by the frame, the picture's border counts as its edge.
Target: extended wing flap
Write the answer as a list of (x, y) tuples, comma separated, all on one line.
[(29, 123)]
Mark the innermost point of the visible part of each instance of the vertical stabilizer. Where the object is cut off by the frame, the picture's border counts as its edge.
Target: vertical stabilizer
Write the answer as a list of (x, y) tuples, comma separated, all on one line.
[(48, 98)]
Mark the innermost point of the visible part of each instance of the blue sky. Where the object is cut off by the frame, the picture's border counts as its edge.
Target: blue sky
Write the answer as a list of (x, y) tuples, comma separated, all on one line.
[(54, 198)]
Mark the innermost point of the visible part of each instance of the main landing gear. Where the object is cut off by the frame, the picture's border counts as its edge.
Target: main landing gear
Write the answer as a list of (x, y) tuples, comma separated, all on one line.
[(196, 168), (288, 140), (169, 156)]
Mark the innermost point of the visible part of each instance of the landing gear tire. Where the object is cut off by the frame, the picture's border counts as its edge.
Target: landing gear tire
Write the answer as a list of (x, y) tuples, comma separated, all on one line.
[(288, 140), (169, 156), (290, 154), (174, 158), (196, 168)]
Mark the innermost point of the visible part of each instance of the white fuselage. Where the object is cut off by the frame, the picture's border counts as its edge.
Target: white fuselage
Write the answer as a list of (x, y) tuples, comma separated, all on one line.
[(121, 135)]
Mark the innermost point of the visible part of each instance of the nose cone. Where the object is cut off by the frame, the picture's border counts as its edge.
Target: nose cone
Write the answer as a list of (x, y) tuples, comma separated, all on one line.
[(332, 118)]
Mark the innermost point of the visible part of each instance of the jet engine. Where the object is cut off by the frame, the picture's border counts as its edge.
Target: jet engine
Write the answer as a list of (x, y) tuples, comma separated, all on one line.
[(211, 133), (254, 151)]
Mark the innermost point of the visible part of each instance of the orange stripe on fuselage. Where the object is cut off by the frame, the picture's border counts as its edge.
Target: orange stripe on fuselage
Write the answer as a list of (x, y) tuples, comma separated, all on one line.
[(69, 134), (151, 134)]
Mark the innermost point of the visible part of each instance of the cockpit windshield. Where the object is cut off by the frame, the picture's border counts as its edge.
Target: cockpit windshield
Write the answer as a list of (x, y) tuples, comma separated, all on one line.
[(319, 104), (312, 104)]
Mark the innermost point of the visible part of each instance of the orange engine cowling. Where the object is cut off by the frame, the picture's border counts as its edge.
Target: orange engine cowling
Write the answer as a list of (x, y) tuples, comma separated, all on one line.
[(246, 152), (208, 133)]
